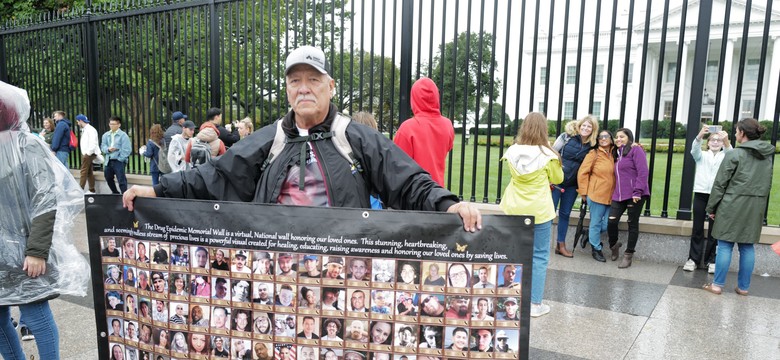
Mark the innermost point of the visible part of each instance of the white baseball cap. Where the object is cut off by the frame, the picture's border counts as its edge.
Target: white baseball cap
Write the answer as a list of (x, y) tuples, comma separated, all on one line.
[(309, 55)]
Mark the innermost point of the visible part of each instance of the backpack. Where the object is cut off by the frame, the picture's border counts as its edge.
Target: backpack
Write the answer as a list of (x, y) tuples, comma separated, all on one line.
[(200, 153), (337, 133), (74, 141), (162, 159)]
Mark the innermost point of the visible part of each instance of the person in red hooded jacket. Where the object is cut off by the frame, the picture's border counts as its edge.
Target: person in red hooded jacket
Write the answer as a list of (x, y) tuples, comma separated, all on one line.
[(427, 137)]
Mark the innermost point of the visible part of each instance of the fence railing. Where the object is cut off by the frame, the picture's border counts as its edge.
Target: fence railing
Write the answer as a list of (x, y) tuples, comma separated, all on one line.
[(646, 65)]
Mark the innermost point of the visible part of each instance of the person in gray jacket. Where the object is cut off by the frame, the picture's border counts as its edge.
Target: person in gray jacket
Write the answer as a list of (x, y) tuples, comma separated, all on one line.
[(310, 170)]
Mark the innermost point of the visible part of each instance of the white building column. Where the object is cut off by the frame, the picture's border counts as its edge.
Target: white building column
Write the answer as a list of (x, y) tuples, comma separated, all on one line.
[(725, 97), (632, 100), (682, 100), (774, 73)]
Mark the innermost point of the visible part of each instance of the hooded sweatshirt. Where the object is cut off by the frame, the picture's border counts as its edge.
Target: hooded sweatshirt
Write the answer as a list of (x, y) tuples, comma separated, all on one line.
[(533, 169), (60, 141), (428, 136), (209, 134)]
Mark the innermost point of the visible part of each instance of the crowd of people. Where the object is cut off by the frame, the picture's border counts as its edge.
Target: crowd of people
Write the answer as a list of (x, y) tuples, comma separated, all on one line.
[(607, 171)]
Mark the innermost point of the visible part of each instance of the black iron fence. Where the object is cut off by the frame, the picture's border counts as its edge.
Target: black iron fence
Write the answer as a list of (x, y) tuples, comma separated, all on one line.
[(628, 63)]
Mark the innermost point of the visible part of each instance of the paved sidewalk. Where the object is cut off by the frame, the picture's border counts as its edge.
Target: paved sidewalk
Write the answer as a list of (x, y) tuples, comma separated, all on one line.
[(648, 311)]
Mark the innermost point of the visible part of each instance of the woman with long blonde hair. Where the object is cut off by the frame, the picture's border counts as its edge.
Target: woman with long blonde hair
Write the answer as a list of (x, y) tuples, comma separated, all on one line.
[(573, 145), (534, 165)]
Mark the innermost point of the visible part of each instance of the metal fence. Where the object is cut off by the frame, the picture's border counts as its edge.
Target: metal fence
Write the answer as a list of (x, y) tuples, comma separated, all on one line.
[(628, 63)]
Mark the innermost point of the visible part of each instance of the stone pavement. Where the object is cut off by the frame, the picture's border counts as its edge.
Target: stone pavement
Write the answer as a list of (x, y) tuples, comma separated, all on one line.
[(648, 311)]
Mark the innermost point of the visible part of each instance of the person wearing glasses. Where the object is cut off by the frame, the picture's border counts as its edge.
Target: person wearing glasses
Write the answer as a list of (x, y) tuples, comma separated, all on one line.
[(596, 181), (458, 276), (707, 164)]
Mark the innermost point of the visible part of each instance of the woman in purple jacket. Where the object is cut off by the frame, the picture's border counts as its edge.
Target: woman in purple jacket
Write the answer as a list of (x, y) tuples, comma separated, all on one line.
[(631, 190)]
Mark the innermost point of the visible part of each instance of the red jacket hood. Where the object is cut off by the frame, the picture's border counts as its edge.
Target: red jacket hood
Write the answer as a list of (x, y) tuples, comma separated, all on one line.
[(425, 97)]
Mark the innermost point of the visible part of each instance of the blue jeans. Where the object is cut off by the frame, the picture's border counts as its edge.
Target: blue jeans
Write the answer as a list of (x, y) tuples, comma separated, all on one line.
[(155, 177), (39, 319), (747, 259), (599, 217), (542, 234), (62, 156), (116, 167), (567, 199)]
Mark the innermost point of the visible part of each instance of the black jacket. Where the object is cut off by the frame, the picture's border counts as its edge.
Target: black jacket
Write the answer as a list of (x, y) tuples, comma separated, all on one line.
[(387, 171), (228, 138), (572, 155)]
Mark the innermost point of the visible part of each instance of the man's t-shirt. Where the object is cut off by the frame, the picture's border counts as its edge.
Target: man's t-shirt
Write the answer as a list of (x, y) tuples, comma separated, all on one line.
[(106, 252), (315, 192)]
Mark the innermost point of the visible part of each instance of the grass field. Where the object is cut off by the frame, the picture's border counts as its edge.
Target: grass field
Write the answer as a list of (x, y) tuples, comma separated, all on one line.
[(474, 186)]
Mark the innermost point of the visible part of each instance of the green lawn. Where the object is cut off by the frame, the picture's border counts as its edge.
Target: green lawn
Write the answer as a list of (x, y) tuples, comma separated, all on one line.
[(477, 183), (473, 178)]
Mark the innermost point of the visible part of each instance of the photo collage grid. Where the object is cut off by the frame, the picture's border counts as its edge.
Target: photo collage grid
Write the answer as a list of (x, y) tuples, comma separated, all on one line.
[(170, 301)]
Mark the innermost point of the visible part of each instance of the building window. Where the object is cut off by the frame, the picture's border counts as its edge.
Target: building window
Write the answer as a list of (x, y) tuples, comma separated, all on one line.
[(751, 70), (571, 74), (712, 72), (747, 108), (599, 76), (706, 117), (541, 107), (596, 109), (568, 110), (671, 72), (667, 110), (543, 75), (630, 77)]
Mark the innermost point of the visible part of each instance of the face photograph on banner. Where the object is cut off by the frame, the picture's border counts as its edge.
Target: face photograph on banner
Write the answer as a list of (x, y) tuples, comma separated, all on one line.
[(311, 271), (433, 276), (305, 293), (359, 272), (383, 273), (509, 279), (407, 274)]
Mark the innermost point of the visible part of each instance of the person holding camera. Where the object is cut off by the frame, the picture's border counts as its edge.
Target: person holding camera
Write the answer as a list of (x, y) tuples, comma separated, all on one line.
[(707, 164)]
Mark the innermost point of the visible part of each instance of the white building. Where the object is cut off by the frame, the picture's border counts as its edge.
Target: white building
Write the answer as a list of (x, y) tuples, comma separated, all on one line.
[(669, 67)]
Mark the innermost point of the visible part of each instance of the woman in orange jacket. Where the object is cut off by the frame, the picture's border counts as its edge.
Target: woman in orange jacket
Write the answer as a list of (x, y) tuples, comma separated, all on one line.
[(596, 182)]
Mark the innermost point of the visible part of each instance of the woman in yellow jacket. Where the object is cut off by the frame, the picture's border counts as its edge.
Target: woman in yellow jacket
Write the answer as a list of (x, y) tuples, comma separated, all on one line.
[(596, 181), (534, 165)]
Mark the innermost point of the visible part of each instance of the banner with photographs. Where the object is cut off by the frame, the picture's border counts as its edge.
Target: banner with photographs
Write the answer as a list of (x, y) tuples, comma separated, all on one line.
[(184, 279)]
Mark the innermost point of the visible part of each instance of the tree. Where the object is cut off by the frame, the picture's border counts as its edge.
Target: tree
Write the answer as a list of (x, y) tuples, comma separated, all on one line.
[(458, 73), (379, 91), (498, 115)]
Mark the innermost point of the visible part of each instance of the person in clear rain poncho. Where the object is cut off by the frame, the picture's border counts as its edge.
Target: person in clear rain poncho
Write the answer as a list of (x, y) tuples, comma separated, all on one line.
[(38, 200)]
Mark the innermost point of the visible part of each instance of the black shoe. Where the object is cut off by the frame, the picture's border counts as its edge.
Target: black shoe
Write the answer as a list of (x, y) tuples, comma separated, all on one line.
[(27, 335), (585, 240), (598, 255)]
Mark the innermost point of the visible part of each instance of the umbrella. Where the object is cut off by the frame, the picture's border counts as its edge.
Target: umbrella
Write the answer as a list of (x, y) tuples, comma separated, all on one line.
[(581, 234)]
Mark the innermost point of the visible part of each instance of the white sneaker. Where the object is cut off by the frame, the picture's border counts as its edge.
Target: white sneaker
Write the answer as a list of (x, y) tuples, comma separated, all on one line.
[(538, 310), (711, 268), (689, 265), (88, 192)]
